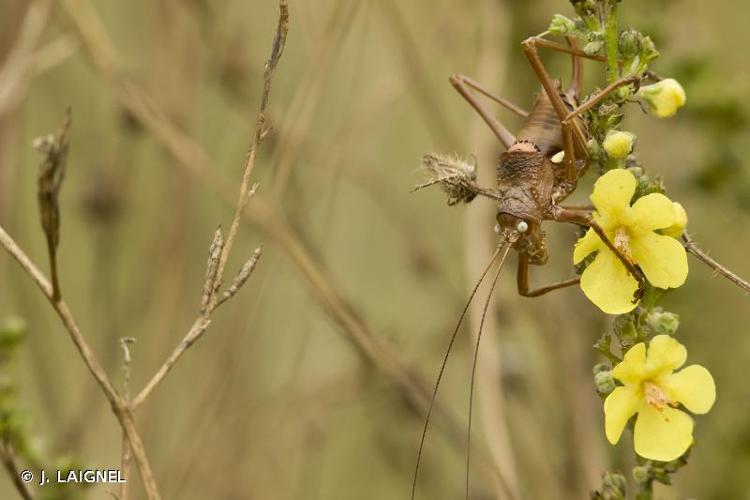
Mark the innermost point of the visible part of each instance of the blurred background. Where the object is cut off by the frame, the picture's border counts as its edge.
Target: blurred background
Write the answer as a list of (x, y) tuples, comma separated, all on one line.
[(311, 383)]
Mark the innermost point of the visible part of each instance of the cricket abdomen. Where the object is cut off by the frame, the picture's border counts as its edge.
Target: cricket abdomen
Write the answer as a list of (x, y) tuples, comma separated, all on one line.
[(542, 127)]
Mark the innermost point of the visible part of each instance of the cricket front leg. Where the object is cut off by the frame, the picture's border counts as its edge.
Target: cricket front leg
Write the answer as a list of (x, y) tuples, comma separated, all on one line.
[(585, 219), (522, 279)]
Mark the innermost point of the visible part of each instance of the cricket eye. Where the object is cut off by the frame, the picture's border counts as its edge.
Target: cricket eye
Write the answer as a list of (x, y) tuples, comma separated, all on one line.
[(522, 226)]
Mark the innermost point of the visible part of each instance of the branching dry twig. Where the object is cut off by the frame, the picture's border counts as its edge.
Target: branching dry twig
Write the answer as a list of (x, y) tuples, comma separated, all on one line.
[(221, 247), (117, 404), (373, 347)]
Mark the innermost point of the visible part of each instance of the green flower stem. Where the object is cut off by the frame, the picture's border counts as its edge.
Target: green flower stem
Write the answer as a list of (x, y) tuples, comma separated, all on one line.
[(645, 491), (611, 49)]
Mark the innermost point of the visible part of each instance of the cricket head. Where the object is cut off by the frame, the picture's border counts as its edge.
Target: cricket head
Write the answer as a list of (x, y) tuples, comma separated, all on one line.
[(526, 236)]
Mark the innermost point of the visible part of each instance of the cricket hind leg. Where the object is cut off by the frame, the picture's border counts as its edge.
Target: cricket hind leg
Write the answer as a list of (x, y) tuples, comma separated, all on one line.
[(522, 280), (466, 87), (577, 71)]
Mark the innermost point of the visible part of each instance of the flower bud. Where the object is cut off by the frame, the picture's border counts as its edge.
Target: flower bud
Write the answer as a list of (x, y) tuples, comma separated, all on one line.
[(601, 367), (625, 330), (664, 98), (561, 25), (681, 219), (618, 144), (662, 322), (640, 474), (648, 50), (604, 382), (614, 484), (629, 43), (593, 48)]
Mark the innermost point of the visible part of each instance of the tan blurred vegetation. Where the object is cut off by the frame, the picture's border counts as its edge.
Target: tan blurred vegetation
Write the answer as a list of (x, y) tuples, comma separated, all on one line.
[(311, 383)]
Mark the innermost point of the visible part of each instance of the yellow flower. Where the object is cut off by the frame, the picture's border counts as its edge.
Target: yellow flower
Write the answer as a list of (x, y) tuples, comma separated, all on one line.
[(664, 97), (680, 222), (652, 390), (618, 144), (632, 230)]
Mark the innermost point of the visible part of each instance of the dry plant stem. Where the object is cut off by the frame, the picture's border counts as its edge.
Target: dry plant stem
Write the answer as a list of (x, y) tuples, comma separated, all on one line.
[(214, 278), (373, 347), (694, 249), (116, 402), (8, 457), (126, 455), (245, 192), (199, 326)]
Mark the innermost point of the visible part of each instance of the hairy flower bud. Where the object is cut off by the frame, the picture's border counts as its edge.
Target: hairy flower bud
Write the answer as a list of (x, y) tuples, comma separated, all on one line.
[(618, 144), (561, 25), (604, 382), (615, 484), (662, 322), (593, 48), (629, 43), (640, 474)]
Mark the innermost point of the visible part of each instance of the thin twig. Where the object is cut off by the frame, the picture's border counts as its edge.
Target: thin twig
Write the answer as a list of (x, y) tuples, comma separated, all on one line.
[(694, 249), (87, 354), (196, 330), (215, 270), (126, 455), (246, 193), (8, 457)]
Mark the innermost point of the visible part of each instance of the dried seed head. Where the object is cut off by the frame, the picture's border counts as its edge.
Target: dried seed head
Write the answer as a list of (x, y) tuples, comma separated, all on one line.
[(211, 284), (242, 276), (456, 175), (51, 175)]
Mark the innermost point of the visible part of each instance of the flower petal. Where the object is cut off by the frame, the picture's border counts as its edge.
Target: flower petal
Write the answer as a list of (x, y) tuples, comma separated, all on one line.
[(664, 97), (608, 284), (693, 387), (586, 245), (662, 259), (680, 222), (665, 354), (619, 406), (632, 368), (613, 190), (662, 435), (654, 211)]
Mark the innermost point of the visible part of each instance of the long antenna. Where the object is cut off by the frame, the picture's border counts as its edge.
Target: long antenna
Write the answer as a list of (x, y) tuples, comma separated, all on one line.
[(474, 364), (503, 246)]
